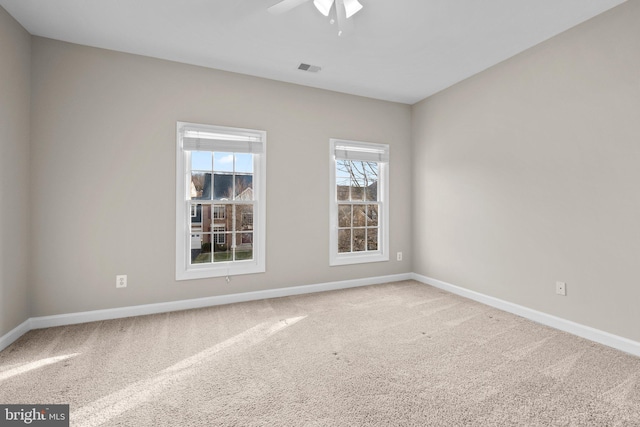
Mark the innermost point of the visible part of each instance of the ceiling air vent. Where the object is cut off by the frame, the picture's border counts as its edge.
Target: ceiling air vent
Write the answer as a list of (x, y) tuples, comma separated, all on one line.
[(309, 68)]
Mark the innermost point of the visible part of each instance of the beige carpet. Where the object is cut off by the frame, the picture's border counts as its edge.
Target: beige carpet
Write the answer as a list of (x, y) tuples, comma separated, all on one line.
[(397, 354)]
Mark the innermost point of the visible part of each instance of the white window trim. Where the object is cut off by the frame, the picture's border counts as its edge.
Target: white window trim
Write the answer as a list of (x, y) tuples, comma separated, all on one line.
[(382, 254), (184, 269)]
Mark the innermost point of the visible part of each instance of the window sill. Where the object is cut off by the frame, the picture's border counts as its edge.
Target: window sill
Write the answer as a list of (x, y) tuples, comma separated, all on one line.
[(220, 270), (350, 258)]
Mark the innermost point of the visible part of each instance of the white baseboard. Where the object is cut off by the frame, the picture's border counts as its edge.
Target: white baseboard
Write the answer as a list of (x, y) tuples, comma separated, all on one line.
[(7, 339), (592, 334), (587, 332), (140, 310)]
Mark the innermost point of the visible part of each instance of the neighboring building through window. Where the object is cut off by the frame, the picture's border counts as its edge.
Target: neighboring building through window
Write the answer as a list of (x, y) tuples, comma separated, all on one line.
[(359, 219), (220, 183)]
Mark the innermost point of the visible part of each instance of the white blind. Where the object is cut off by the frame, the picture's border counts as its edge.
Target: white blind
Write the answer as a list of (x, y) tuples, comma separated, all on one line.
[(222, 139), (361, 151)]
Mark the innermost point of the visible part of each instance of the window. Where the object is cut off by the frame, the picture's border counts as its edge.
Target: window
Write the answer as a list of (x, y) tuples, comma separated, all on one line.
[(219, 212), (359, 211), (220, 188), (219, 234)]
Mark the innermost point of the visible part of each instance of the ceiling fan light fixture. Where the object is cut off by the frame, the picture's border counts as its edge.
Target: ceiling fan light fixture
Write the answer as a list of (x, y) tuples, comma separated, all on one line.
[(352, 7), (324, 6)]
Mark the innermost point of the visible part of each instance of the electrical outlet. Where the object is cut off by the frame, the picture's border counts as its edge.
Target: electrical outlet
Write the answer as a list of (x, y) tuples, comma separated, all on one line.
[(561, 288), (399, 256), (121, 281)]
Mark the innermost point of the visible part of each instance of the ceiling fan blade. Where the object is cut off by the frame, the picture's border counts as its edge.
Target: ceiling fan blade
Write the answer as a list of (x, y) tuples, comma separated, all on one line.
[(323, 6), (345, 26), (352, 7), (285, 6)]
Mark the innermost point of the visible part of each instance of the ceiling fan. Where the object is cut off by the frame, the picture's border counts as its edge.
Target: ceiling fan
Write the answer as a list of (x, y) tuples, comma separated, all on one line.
[(336, 10)]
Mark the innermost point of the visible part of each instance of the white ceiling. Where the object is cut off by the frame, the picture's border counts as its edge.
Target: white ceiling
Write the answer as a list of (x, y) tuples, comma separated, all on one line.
[(401, 50)]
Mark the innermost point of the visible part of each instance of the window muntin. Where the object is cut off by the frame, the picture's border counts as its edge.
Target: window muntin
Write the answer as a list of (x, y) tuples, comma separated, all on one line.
[(359, 210), (224, 171)]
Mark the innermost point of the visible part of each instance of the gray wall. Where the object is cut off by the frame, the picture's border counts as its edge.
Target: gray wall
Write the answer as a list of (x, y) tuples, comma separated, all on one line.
[(103, 175), (529, 173), (15, 54)]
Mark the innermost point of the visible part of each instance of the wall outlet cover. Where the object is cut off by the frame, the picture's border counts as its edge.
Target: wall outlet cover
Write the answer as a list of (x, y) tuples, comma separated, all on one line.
[(121, 281)]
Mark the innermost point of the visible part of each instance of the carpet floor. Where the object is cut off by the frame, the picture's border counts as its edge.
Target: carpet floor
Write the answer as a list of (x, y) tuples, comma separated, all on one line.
[(396, 354)]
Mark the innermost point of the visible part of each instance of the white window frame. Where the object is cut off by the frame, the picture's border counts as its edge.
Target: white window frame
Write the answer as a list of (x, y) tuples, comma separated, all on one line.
[(221, 139), (359, 151)]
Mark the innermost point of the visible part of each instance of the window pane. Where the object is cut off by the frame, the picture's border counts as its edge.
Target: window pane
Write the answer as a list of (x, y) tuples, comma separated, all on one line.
[(357, 190), (358, 240), (244, 246), (200, 218), (201, 160), (344, 240), (244, 187), (196, 217), (222, 186), (359, 216), (372, 215), (219, 234), (200, 186), (205, 218), (244, 217), (372, 239), (371, 192), (343, 180), (223, 162), (222, 252), (219, 212), (344, 215), (200, 240), (343, 168), (244, 163), (362, 178), (200, 248), (222, 218), (342, 191), (371, 180)]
